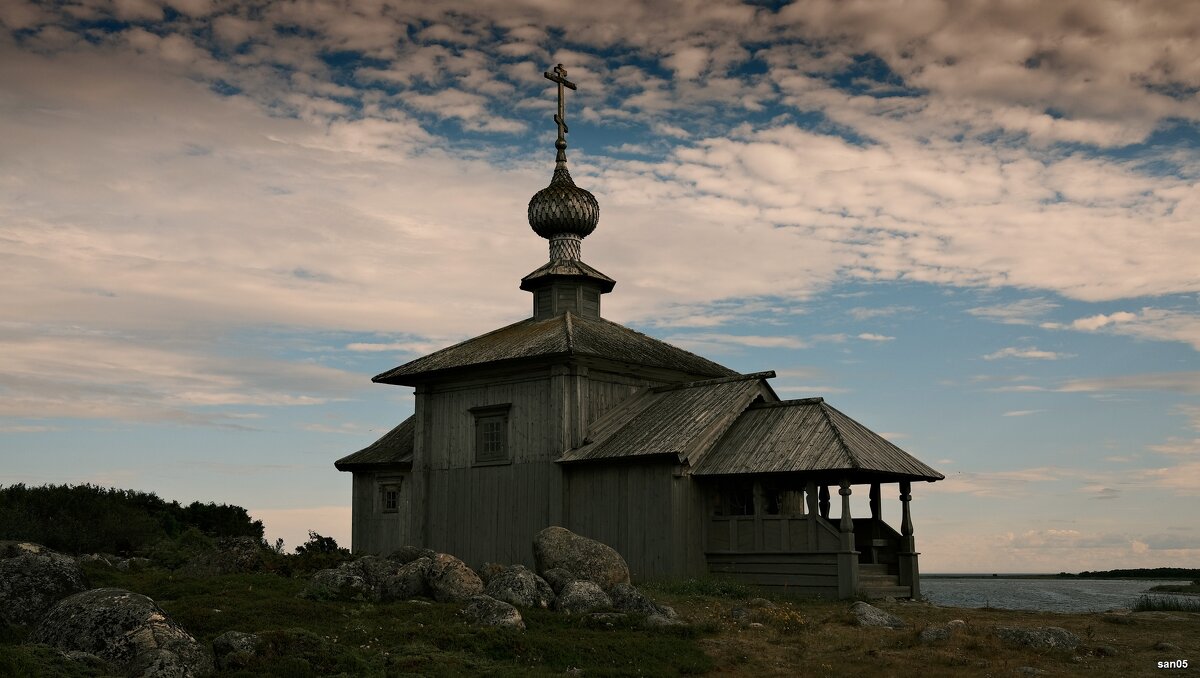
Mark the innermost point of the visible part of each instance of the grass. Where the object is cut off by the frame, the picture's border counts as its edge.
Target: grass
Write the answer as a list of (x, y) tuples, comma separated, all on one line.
[(732, 632), (1161, 603)]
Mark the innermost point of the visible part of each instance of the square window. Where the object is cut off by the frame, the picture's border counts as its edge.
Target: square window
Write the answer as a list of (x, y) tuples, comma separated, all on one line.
[(491, 434), (389, 497)]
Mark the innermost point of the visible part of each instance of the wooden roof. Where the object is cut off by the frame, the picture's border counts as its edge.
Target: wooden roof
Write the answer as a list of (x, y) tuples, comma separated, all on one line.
[(570, 268), (729, 426), (394, 448), (563, 335), (677, 420), (804, 436)]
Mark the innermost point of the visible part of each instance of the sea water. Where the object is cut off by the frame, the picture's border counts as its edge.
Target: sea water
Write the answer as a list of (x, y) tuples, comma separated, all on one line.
[(1048, 595)]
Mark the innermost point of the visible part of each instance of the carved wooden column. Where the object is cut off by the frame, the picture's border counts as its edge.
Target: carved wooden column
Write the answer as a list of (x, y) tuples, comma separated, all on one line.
[(810, 496), (876, 509), (847, 556), (825, 502), (910, 574)]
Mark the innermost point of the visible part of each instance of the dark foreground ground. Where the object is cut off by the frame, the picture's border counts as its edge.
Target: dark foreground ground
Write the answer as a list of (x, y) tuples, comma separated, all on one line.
[(728, 636)]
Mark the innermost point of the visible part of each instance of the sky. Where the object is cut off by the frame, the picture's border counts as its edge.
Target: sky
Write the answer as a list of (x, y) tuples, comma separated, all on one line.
[(971, 226)]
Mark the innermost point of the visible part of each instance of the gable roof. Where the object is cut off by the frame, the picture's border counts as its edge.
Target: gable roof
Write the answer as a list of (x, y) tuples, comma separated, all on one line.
[(679, 419), (394, 448), (563, 335), (805, 436)]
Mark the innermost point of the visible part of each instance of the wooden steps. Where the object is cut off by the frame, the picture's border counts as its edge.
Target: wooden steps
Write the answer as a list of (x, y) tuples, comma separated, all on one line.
[(875, 582)]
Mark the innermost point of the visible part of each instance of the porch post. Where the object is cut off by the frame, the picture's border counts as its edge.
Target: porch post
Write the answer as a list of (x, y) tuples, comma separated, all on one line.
[(825, 502), (810, 496), (910, 574), (847, 556), (876, 509)]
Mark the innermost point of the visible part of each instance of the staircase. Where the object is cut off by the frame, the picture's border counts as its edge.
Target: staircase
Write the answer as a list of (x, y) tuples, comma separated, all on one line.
[(875, 582)]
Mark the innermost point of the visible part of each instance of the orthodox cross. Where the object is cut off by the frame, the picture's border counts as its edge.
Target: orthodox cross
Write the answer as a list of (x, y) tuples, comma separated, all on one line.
[(560, 76)]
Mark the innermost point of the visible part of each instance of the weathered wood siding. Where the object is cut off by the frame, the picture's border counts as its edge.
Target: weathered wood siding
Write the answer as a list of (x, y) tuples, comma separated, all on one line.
[(373, 530), (643, 511), (606, 390), (809, 574), (489, 513)]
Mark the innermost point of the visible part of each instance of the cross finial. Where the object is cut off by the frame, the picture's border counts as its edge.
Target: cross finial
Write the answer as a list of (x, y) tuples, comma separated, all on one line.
[(559, 75)]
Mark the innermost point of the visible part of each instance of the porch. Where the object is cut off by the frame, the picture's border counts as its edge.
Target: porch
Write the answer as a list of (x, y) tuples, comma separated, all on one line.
[(778, 534)]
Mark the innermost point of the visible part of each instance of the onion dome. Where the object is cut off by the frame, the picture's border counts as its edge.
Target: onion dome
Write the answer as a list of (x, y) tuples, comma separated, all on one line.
[(562, 208)]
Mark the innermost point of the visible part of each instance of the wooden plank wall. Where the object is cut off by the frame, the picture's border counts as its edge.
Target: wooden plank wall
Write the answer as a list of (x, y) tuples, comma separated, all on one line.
[(372, 530), (490, 513), (632, 508), (809, 574)]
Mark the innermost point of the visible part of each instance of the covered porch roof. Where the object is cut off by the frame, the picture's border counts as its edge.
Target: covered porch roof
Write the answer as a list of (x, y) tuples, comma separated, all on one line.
[(807, 436)]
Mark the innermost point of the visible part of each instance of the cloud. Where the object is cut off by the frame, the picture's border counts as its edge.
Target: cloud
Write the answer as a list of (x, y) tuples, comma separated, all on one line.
[(1149, 323), (1177, 382), (741, 340), (1026, 353), (1021, 413), (1022, 312), (861, 313), (868, 336)]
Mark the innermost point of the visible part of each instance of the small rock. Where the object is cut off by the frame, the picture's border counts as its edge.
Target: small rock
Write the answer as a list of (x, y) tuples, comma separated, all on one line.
[(956, 625), (1044, 637), (755, 625), (626, 598), (869, 615), (1118, 618), (407, 554), (933, 634), (661, 620), (1164, 646), (450, 580), (344, 582), (760, 602), (588, 559), (408, 581), (518, 585), (234, 649), (488, 571), (1105, 651), (94, 558), (134, 564), (484, 610), (557, 578), (582, 597), (606, 618)]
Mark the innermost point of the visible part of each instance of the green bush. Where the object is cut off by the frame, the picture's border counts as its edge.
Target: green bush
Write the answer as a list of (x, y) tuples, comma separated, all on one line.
[(90, 519)]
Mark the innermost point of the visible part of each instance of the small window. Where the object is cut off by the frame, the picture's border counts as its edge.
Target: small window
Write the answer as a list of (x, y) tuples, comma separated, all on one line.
[(389, 497), (491, 434)]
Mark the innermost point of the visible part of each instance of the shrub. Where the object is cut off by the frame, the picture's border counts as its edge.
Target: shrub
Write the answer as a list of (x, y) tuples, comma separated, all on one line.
[(1162, 603)]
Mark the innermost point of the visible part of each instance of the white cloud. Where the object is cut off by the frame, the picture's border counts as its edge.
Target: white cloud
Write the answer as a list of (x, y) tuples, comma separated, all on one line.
[(1022, 312), (869, 336), (1021, 413), (1026, 353), (1149, 323)]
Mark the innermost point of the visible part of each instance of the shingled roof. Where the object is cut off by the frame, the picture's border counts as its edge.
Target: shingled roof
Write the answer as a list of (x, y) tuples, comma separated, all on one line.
[(563, 335), (679, 419), (394, 448), (809, 435), (724, 427)]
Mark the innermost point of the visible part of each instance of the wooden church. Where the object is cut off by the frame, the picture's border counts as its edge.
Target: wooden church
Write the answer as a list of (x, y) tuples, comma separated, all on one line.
[(685, 466)]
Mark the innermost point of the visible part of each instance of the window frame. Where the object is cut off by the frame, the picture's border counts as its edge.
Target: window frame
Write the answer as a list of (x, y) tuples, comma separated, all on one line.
[(483, 416), (385, 485)]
